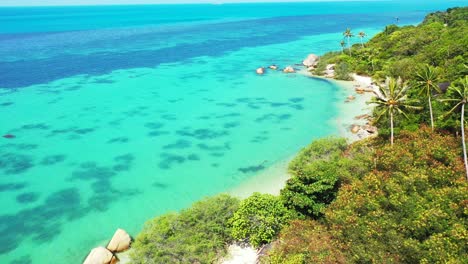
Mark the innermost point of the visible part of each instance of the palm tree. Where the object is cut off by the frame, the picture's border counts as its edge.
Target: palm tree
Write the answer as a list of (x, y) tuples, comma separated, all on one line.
[(362, 35), (348, 34), (458, 96), (391, 99), (426, 82), (342, 43)]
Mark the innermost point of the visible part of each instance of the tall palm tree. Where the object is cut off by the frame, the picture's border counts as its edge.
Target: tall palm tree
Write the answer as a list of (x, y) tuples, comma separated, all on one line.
[(362, 35), (458, 95), (348, 34), (342, 43), (426, 82), (391, 99)]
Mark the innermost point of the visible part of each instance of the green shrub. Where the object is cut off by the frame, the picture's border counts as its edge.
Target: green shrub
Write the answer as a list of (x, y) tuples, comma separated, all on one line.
[(259, 218), (317, 173), (198, 234)]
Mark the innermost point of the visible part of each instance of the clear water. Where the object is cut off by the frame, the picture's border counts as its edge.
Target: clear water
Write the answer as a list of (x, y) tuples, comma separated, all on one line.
[(123, 113)]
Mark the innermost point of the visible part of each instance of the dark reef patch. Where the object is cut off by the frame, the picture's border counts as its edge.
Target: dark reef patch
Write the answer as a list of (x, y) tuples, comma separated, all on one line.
[(203, 134), (157, 133), (227, 104), (5, 104), (259, 139), (28, 197), (118, 140), (53, 159), (12, 186), (154, 125), (296, 99), (15, 163), (193, 157), (252, 168), (273, 118), (168, 160), (37, 126), (231, 125), (41, 223), (207, 147), (160, 185), (228, 115), (169, 117), (179, 144)]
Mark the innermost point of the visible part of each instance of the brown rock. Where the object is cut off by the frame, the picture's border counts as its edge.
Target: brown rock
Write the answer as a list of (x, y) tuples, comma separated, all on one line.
[(370, 129), (120, 241), (364, 116), (100, 255), (350, 98), (273, 67), (260, 70)]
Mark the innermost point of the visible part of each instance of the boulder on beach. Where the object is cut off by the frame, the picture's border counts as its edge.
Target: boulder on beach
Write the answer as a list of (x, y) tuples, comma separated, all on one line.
[(273, 67), (100, 255), (329, 71), (120, 241), (370, 129), (289, 69), (355, 129), (311, 60), (260, 70)]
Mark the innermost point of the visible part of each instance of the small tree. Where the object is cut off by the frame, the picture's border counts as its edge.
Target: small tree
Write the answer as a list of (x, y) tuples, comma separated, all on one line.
[(391, 100)]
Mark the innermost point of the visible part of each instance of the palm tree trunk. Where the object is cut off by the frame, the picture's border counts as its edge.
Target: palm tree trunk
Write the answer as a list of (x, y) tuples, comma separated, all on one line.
[(391, 127), (349, 46), (463, 139), (430, 111), (362, 45)]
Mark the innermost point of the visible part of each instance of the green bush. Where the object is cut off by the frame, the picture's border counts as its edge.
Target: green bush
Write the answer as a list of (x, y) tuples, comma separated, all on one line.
[(198, 234), (259, 218), (317, 173)]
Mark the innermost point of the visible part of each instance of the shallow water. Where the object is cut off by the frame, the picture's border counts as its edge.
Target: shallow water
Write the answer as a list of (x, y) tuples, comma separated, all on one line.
[(117, 120)]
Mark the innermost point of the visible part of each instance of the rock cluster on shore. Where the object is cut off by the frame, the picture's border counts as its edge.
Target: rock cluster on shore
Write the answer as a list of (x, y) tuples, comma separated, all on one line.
[(120, 242), (364, 131)]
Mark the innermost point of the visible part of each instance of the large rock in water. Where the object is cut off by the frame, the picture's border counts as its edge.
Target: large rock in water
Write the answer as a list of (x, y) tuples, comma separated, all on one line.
[(260, 70), (100, 255), (311, 60), (120, 241), (289, 69)]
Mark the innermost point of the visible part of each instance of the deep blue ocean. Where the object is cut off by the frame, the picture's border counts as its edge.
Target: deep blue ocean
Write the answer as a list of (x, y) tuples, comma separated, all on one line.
[(116, 114)]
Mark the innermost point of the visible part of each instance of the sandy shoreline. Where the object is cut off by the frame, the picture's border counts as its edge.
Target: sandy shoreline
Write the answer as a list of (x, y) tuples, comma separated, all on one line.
[(274, 178)]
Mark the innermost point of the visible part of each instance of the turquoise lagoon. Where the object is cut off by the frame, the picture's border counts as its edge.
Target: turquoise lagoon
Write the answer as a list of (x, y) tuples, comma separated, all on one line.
[(120, 114)]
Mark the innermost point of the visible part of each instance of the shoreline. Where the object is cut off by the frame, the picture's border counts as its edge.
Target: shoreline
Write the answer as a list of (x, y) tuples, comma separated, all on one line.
[(274, 178)]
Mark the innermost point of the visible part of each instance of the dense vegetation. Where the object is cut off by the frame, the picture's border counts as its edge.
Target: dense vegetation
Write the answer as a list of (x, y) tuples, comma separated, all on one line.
[(375, 201), (441, 41), (410, 207), (195, 235)]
